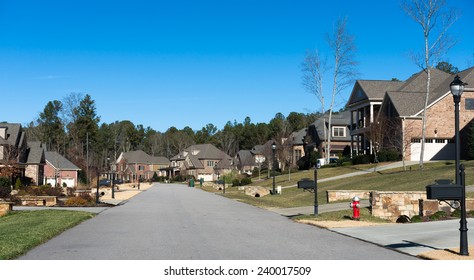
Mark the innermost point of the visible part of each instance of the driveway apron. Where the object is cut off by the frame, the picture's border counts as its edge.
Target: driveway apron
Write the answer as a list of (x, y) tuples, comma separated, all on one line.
[(174, 222)]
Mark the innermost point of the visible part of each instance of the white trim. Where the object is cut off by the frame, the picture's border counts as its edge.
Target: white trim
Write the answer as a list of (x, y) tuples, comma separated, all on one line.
[(433, 103)]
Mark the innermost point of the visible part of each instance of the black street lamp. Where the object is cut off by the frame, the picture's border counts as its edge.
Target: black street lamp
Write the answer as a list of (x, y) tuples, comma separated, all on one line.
[(273, 165), (457, 89)]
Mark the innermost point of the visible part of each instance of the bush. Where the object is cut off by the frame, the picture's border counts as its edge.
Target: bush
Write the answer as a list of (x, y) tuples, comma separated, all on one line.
[(83, 200), (236, 183), (245, 181), (388, 155), (361, 159), (5, 187)]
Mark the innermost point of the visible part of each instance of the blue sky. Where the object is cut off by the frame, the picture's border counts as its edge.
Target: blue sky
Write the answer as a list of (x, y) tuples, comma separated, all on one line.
[(190, 63)]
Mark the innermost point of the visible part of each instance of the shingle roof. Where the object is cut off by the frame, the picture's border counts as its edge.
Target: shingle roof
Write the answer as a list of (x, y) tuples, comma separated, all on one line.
[(59, 162), (409, 100), (245, 158), (36, 153), (14, 133)]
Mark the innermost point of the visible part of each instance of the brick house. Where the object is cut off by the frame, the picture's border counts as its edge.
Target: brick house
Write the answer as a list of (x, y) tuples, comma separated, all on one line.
[(202, 161), (402, 104), (59, 171), (138, 165)]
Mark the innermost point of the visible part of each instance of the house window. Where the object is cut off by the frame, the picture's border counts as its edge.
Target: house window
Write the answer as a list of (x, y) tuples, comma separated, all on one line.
[(141, 167), (297, 155), (210, 163), (338, 131), (469, 104), (1, 152)]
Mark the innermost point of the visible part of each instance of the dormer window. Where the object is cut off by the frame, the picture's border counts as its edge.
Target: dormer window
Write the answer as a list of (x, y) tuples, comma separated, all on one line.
[(338, 131)]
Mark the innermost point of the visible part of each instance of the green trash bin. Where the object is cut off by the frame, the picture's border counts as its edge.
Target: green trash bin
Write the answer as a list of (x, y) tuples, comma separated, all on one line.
[(191, 183)]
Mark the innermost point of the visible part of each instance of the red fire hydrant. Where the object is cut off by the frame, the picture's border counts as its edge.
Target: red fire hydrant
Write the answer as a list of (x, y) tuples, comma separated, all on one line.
[(355, 205)]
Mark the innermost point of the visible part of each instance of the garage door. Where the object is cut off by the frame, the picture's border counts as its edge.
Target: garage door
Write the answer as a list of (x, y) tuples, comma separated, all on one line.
[(435, 149), (70, 182), (206, 177)]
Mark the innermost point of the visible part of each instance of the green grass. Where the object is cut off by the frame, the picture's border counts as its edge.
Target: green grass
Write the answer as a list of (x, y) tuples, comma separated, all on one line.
[(389, 180), (23, 230)]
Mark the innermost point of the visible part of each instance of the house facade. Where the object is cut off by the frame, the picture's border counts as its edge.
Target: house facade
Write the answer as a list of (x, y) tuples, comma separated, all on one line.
[(18, 158), (339, 132), (401, 115), (59, 171), (202, 161), (136, 166)]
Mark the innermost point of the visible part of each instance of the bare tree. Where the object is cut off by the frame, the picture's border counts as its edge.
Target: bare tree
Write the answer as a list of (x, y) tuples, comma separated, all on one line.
[(314, 68), (435, 18), (344, 71)]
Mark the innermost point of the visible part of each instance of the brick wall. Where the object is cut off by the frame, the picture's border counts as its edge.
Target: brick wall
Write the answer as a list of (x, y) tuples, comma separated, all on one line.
[(440, 120)]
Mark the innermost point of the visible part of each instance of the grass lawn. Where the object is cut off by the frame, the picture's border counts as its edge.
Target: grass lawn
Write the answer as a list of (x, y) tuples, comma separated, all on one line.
[(21, 231), (389, 180)]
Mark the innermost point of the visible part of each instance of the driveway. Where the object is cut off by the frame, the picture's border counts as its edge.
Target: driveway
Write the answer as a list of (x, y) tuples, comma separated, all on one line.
[(174, 222)]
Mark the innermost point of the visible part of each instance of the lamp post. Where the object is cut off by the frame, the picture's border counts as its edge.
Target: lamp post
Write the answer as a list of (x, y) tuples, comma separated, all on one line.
[(457, 89), (273, 165)]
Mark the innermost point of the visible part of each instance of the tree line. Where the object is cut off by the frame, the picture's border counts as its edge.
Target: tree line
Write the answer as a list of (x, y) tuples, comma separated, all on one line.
[(72, 127)]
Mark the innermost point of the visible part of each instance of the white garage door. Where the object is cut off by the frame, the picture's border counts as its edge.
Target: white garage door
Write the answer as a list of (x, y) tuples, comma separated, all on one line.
[(434, 150), (70, 182), (206, 177)]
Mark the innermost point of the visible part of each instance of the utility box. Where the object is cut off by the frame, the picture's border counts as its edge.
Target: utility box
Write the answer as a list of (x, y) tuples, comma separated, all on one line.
[(444, 192)]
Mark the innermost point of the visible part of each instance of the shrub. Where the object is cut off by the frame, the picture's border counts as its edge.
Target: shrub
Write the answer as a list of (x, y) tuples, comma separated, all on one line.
[(5, 188), (361, 159), (82, 200), (18, 184), (245, 181), (388, 155), (236, 182)]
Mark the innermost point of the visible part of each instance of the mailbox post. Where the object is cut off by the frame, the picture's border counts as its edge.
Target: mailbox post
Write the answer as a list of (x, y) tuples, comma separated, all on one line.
[(311, 186), (443, 191)]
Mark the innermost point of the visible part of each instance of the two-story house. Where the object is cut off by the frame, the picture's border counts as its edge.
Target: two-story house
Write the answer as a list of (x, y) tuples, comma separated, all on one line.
[(339, 132), (138, 165), (402, 104), (18, 158), (202, 161)]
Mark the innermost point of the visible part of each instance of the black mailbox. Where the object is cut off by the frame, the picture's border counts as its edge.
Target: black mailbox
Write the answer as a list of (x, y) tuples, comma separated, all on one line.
[(444, 192), (306, 184)]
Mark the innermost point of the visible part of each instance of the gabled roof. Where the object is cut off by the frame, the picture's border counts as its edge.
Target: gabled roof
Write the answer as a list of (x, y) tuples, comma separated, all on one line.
[(371, 90), (201, 151), (36, 154), (297, 137), (160, 161), (59, 162), (14, 134), (245, 158), (409, 100)]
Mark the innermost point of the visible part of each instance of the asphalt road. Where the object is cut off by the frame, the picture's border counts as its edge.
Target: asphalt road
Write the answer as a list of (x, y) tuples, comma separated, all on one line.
[(174, 222)]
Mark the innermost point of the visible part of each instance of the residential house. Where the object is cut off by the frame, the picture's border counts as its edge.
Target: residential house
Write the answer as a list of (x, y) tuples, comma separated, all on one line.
[(202, 161), (18, 158), (246, 161), (36, 163), (59, 171), (137, 166), (401, 104), (296, 143), (339, 133)]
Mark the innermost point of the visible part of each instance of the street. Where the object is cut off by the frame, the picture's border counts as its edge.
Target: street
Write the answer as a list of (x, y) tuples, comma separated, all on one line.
[(174, 222)]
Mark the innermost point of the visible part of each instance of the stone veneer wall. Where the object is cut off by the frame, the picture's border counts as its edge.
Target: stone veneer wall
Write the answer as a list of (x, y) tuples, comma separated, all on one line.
[(391, 205), (38, 200), (338, 195)]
